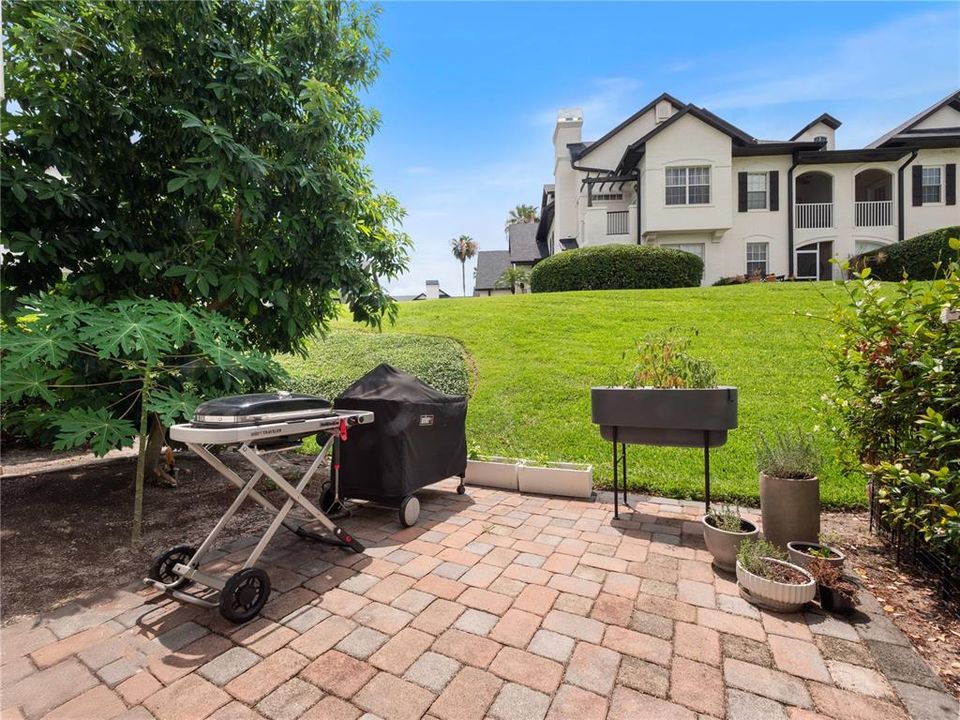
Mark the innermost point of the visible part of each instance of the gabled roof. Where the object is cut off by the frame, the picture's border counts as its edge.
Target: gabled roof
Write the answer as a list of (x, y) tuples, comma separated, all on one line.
[(901, 133), (827, 119), (580, 152), (523, 244), (546, 222), (490, 266)]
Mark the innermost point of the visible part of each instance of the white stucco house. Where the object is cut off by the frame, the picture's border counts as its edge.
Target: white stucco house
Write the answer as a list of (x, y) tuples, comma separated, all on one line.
[(676, 175)]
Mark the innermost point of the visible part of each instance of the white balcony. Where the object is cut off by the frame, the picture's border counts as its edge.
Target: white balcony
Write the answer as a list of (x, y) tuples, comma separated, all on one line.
[(874, 213), (814, 215)]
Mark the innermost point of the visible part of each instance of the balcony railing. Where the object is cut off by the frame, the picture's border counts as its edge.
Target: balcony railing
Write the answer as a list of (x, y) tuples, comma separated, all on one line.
[(618, 222), (814, 215), (874, 213)]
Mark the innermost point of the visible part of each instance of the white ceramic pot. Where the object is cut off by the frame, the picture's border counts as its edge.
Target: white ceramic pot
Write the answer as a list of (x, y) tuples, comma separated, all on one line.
[(799, 554), (566, 479), (723, 544), (776, 596)]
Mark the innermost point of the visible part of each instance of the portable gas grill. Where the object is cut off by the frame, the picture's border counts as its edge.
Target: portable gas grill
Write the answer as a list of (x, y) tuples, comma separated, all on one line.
[(260, 425)]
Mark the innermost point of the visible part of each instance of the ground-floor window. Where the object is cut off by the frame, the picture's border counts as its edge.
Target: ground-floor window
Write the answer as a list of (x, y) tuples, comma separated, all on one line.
[(865, 246), (758, 256), (692, 248), (808, 261)]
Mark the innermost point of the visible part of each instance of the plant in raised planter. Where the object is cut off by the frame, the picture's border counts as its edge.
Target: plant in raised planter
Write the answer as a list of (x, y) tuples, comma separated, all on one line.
[(788, 463), (836, 594), (723, 531), (767, 580)]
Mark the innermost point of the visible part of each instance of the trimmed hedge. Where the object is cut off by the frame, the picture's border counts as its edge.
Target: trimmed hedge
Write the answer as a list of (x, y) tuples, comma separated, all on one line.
[(915, 257), (616, 267)]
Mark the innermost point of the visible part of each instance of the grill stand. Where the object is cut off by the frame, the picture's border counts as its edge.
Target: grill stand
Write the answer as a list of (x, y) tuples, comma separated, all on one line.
[(255, 457)]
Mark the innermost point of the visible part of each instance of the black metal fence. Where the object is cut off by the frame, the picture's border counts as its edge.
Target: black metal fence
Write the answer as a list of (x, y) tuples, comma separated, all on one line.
[(912, 550)]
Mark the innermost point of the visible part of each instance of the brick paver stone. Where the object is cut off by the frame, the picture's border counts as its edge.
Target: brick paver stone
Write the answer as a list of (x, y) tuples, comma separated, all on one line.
[(468, 649), (645, 647), (332, 708), (271, 672), (438, 616), (339, 674), (224, 668), (860, 680), (468, 696), (391, 698), (573, 702), (925, 703), (476, 622), (552, 645), (629, 705), (844, 705), (651, 624), (575, 626), (401, 651), (43, 691), (138, 688), (263, 636), (485, 600), (697, 686), (516, 702), (744, 706), (175, 665), (593, 668), (432, 671), (384, 618), (644, 677), (187, 698), (516, 628), (99, 702), (290, 700), (324, 636), (413, 601), (49, 655), (362, 642), (612, 609), (536, 599), (522, 667), (798, 658), (747, 650), (697, 643), (769, 683)]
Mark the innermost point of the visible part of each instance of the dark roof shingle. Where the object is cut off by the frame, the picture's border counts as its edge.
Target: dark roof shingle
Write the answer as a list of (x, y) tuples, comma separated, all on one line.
[(490, 266), (523, 243)]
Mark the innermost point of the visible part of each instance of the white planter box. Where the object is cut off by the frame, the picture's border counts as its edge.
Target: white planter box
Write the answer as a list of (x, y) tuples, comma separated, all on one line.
[(566, 479), (493, 472)]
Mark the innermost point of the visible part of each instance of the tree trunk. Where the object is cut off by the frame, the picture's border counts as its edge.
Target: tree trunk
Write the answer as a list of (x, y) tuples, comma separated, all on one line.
[(463, 275), (158, 469), (141, 462)]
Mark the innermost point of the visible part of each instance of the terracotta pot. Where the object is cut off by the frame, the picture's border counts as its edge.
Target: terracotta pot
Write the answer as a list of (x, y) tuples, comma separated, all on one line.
[(772, 595), (723, 544), (799, 554), (789, 509)]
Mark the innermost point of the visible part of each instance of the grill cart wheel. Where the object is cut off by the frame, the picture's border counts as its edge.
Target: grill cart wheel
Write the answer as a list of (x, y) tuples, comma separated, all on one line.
[(244, 595), (409, 511), (162, 568), (461, 488)]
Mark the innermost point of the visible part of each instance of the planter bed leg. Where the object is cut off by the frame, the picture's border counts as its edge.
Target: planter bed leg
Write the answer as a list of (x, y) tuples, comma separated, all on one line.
[(616, 506), (706, 468), (623, 457)]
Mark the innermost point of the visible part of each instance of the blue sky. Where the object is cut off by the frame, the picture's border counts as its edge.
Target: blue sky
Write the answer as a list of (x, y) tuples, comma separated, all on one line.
[(471, 90)]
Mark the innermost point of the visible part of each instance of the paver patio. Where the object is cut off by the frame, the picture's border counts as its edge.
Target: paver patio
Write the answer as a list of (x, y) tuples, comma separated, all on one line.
[(496, 605)]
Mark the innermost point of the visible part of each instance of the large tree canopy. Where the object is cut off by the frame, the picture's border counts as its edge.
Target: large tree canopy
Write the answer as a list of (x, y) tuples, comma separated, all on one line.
[(209, 153)]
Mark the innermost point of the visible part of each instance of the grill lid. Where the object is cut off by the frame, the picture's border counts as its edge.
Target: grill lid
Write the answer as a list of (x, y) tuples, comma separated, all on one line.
[(259, 408)]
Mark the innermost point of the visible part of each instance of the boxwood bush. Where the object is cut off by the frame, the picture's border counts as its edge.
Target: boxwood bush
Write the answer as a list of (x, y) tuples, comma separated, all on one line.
[(616, 267), (915, 257)]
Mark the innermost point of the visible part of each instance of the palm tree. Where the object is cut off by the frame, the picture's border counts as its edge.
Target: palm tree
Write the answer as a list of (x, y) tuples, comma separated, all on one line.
[(464, 248), (522, 214), (513, 278)]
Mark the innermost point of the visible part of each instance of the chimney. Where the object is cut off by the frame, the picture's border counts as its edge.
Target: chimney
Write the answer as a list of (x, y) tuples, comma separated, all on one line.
[(433, 289), (565, 178)]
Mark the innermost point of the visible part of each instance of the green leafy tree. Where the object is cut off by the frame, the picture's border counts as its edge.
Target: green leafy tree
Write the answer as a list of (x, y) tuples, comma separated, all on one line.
[(464, 248), (209, 153), (94, 373), (514, 278), (522, 214)]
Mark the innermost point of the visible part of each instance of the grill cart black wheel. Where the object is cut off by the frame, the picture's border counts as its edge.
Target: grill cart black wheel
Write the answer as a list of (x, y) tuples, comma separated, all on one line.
[(162, 568), (244, 595), (327, 501), (461, 488), (409, 511)]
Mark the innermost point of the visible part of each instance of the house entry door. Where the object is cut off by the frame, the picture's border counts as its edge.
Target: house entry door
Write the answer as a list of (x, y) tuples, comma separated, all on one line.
[(813, 261)]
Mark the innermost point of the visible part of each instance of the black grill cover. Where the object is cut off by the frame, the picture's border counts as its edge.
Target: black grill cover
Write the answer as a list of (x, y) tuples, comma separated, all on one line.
[(418, 436)]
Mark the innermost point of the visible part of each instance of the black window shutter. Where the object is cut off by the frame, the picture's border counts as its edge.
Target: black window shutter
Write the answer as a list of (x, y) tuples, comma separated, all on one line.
[(951, 184), (742, 191), (774, 180), (917, 185)]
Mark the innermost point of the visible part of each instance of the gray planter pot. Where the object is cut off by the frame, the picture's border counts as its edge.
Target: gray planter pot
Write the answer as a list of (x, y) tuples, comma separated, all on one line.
[(723, 544), (800, 554), (789, 509), (661, 416)]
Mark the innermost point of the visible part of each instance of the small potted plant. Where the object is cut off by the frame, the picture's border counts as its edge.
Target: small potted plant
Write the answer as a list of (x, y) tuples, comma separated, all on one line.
[(788, 463), (669, 398), (767, 580), (723, 531), (803, 553), (836, 594)]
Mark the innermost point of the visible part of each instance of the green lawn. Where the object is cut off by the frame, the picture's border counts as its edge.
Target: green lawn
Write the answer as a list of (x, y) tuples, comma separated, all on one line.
[(536, 356)]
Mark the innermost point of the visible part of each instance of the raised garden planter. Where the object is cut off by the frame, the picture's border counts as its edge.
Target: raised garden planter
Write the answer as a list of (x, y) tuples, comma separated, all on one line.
[(495, 472), (567, 479), (724, 544), (800, 554), (775, 595)]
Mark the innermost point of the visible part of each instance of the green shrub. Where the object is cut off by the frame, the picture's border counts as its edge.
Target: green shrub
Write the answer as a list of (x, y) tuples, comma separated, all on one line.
[(917, 257), (616, 267), (663, 362), (334, 362)]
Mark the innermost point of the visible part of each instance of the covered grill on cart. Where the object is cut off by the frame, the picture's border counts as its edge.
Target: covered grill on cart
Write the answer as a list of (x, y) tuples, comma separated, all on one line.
[(259, 426), (419, 439)]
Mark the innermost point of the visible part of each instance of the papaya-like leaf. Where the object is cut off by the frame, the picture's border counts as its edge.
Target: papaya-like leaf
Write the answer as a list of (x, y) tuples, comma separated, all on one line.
[(28, 381), (97, 428), (172, 405), (42, 343)]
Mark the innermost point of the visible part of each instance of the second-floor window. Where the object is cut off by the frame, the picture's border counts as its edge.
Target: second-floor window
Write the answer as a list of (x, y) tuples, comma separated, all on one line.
[(931, 184), (688, 185), (757, 191)]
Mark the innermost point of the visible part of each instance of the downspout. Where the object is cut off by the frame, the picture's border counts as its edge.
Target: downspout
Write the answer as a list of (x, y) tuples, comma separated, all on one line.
[(796, 161), (900, 170)]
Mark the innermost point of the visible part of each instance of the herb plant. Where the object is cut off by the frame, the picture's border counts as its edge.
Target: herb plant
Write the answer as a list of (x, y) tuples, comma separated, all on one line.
[(727, 518), (752, 555), (788, 454), (663, 361)]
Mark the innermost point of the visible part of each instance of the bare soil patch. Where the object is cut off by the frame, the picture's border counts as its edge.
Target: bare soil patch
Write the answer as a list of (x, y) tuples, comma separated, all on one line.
[(66, 534), (909, 597)]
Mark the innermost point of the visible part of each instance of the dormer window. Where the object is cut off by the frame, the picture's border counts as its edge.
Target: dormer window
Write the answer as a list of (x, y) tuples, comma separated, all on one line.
[(821, 139)]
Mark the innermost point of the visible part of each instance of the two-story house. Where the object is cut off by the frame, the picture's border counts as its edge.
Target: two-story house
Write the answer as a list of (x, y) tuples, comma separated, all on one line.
[(676, 175)]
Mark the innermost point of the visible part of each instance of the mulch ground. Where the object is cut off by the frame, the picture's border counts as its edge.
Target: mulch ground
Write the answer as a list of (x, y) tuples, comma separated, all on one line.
[(909, 597)]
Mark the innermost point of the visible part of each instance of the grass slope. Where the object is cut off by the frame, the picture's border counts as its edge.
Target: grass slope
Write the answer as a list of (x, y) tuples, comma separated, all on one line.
[(537, 356)]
